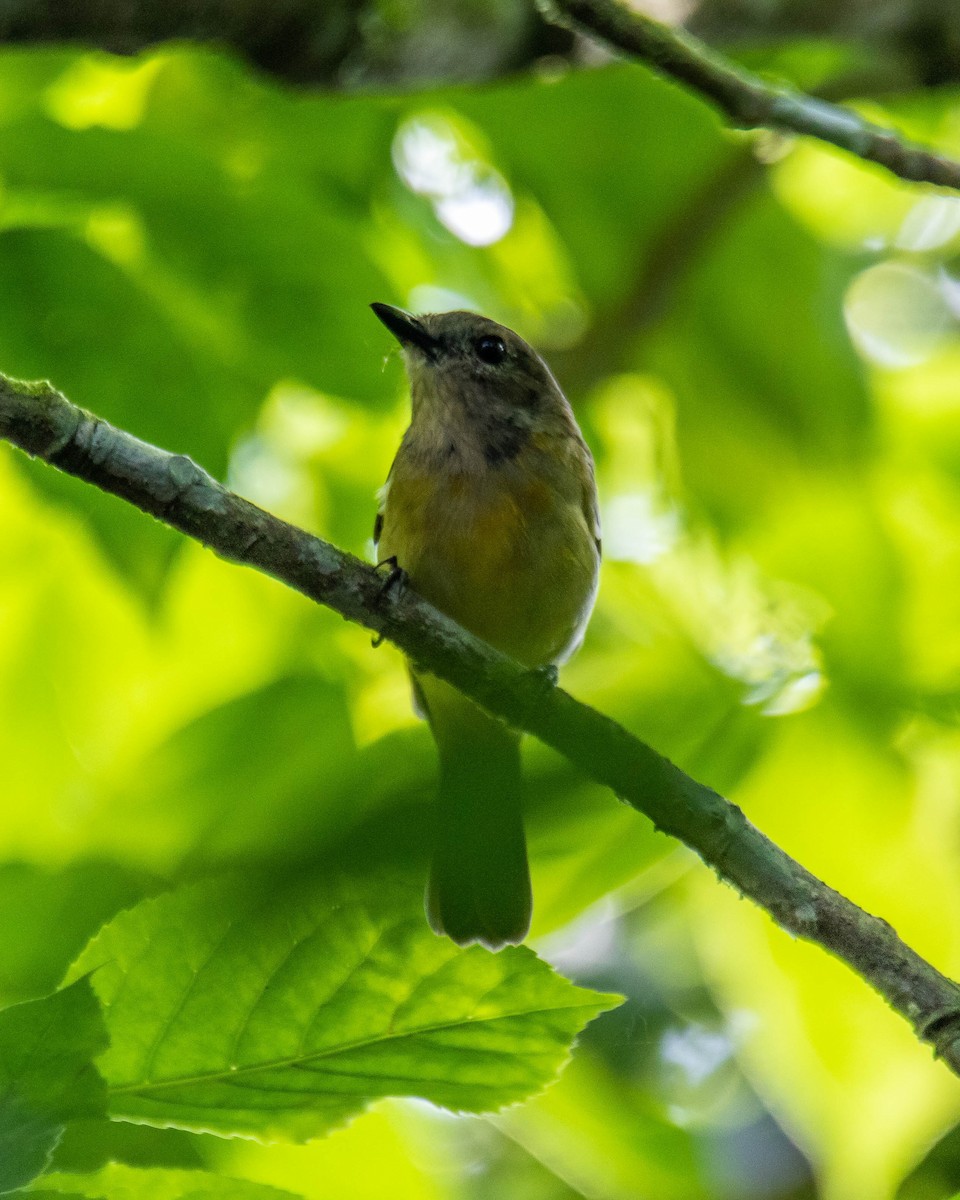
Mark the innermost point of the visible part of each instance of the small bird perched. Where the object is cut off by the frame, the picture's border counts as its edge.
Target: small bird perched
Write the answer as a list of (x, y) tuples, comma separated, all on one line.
[(490, 509)]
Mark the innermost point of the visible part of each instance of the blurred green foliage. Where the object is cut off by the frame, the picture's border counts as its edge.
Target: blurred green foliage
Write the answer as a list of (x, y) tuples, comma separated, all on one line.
[(47, 1077), (764, 357), (116, 1181)]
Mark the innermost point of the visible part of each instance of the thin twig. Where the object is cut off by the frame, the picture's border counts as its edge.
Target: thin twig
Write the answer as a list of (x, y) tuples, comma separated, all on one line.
[(745, 99), (174, 489)]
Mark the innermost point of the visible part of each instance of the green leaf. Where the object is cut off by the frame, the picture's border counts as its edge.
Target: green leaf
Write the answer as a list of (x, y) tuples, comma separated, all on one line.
[(237, 1008), (119, 1182), (46, 1077)]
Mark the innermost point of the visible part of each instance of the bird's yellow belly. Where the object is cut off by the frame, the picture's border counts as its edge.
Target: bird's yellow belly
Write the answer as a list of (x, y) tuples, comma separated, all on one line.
[(513, 563)]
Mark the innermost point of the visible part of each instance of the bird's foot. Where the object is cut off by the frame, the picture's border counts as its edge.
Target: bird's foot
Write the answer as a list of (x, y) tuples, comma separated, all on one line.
[(396, 580), (396, 576), (549, 673)]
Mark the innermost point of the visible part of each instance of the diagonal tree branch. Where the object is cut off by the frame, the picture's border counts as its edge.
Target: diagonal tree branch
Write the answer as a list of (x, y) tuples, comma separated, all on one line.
[(172, 488), (745, 99)]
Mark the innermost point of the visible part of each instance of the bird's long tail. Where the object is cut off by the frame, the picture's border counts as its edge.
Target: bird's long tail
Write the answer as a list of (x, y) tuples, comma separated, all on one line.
[(479, 886)]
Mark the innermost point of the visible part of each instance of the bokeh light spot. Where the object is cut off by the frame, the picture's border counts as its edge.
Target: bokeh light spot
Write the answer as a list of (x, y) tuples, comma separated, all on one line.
[(96, 90), (897, 315), (436, 159)]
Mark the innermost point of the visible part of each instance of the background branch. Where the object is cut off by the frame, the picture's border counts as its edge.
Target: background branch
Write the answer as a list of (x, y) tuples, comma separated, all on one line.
[(337, 44), (746, 100), (174, 489), (360, 44)]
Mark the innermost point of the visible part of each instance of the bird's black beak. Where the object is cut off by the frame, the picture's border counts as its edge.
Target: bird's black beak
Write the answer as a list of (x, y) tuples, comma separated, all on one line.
[(406, 329)]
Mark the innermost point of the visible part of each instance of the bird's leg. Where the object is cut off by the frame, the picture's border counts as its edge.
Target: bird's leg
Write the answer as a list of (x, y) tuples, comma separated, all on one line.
[(397, 578), (543, 680), (550, 674)]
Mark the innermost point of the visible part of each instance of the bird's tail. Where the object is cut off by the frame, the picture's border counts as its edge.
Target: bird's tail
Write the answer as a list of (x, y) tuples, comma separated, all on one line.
[(479, 886)]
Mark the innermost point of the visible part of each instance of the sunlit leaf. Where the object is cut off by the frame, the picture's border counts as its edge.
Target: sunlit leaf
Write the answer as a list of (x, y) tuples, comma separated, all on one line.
[(238, 1008)]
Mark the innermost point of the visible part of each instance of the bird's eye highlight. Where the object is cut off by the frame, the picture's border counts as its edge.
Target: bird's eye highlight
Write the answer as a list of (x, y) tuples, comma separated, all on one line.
[(491, 350)]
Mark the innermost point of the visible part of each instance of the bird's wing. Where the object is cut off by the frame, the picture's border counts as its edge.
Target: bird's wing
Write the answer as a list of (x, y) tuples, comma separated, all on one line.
[(381, 506), (591, 506)]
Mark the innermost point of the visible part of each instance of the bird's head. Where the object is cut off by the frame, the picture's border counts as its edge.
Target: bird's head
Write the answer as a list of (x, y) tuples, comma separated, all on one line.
[(465, 366)]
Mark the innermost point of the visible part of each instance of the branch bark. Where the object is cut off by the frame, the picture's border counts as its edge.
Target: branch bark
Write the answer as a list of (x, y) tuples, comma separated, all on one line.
[(744, 99), (172, 488)]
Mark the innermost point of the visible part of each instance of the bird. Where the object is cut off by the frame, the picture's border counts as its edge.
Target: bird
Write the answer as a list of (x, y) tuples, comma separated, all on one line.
[(490, 512)]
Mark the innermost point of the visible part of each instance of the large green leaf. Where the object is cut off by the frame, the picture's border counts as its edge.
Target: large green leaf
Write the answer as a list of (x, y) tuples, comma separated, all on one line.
[(47, 1077), (237, 1008)]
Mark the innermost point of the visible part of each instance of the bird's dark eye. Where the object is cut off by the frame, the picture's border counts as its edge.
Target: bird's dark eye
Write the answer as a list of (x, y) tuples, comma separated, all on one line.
[(491, 349)]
